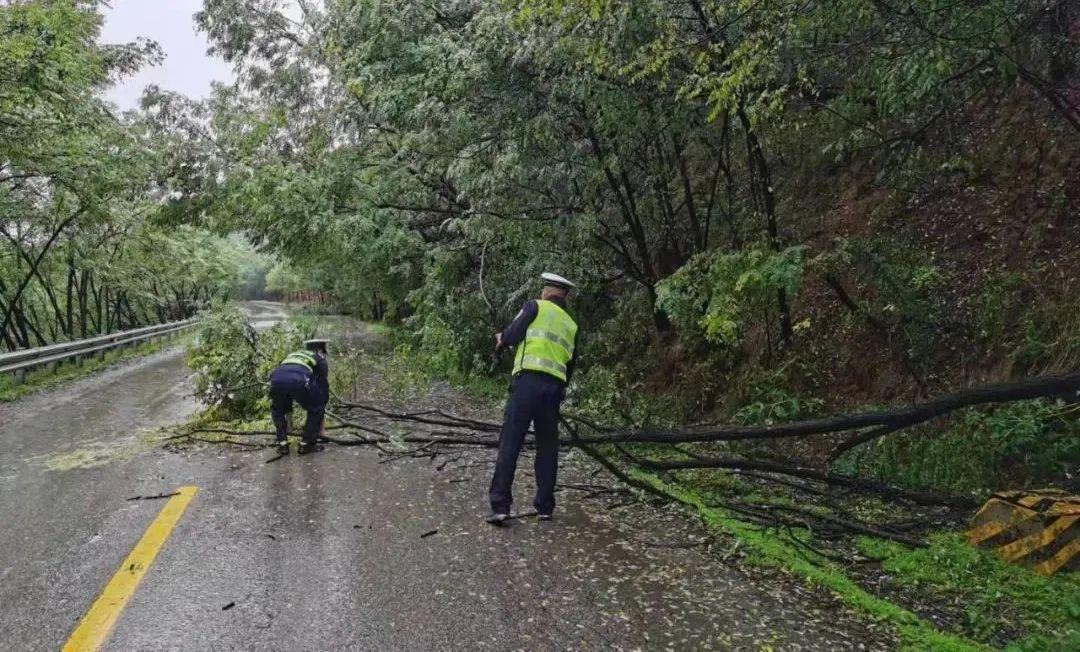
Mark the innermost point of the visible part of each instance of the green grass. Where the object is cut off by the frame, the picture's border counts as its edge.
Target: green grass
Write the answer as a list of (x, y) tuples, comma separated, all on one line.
[(385, 330), (42, 379), (998, 596), (915, 633)]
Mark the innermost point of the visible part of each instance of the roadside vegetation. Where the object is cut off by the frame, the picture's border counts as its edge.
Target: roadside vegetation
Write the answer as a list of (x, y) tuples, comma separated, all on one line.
[(89, 244), (775, 211), (999, 603)]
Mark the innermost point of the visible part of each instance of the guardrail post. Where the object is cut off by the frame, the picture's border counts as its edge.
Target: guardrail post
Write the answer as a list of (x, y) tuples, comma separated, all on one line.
[(19, 377)]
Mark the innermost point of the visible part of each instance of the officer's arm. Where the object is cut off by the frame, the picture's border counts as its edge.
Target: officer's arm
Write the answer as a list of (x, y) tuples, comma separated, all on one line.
[(322, 375), (515, 332), (573, 361)]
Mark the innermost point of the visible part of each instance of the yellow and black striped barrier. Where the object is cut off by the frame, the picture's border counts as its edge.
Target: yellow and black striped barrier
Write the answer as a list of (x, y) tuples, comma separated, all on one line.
[(1040, 529)]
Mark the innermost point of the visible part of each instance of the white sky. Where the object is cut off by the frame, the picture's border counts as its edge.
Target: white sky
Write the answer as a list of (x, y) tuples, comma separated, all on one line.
[(187, 68)]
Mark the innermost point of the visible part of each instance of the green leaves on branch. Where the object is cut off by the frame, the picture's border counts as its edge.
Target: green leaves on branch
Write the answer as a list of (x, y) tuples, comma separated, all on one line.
[(233, 361), (85, 195), (720, 294)]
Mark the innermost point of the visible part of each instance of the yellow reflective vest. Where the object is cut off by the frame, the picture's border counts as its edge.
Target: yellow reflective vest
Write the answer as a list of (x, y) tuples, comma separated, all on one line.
[(301, 358), (549, 342)]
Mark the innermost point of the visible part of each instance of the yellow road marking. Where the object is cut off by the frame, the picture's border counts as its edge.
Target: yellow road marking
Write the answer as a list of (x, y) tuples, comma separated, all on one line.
[(97, 624)]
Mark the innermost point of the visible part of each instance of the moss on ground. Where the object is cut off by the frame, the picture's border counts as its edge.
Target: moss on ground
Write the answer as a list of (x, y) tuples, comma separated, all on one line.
[(998, 596), (1005, 605), (915, 633)]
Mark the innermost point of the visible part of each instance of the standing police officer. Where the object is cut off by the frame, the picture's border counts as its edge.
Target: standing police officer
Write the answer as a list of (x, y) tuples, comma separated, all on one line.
[(302, 377), (546, 337)]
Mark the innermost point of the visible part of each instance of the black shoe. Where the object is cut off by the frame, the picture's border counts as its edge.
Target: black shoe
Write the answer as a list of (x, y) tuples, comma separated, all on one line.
[(309, 447), (282, 447), (497, 519)]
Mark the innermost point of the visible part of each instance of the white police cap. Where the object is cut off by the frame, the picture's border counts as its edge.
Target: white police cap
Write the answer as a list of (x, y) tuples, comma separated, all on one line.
[(320, 343), (557, 281)]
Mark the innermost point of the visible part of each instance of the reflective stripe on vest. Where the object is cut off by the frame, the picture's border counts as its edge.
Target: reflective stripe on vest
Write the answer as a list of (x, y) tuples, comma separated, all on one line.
[(549, 342), (301, 358)]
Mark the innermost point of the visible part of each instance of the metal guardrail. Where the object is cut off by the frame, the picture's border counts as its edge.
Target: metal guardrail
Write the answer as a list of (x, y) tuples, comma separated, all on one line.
[(18, 362)]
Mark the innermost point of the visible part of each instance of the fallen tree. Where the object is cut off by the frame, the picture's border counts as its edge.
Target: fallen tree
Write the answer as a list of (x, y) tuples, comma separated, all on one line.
[(809, 473), (428, 433), (882, 422)]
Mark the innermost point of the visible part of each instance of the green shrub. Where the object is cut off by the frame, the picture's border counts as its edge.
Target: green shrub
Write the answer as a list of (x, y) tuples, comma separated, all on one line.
[(1033, 345), (232, 361), (995, 304), (908, 292), (771, 401), (717, 293), (1029, 443)]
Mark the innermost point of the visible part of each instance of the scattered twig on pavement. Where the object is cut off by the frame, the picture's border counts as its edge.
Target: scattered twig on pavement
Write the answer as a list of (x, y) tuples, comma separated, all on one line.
[(521, 515), (155, 497), (677, 544), (731, 551), (430, 433)]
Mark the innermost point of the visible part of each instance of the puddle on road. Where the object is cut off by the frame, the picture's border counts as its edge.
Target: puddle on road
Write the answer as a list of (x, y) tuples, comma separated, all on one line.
[(93, 421), (99, 453), (85, 458)]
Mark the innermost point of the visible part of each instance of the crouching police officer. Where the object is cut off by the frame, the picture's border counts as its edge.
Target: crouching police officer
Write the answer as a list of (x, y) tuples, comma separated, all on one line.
[(546, 337), (302, 377)]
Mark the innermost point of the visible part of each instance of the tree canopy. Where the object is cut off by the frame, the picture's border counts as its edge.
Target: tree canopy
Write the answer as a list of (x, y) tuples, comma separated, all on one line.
[(84, 193), (754, 192), (729, 180)]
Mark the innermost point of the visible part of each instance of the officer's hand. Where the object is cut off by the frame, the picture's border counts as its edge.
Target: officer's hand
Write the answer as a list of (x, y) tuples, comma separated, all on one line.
[(498, 341)]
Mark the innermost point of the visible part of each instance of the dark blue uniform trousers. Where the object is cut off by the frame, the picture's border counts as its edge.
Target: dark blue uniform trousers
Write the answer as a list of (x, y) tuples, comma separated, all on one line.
[(291, 383), (534, 399)]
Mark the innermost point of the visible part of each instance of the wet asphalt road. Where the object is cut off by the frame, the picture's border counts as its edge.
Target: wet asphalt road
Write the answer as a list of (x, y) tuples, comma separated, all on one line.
[(327, 552)]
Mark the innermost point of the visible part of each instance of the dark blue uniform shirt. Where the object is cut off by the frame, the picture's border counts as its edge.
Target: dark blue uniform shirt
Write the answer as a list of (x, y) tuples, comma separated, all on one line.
[(321, 375)]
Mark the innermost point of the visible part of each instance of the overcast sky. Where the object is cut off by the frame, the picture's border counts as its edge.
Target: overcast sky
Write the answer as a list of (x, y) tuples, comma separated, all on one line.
[(186, 69)]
